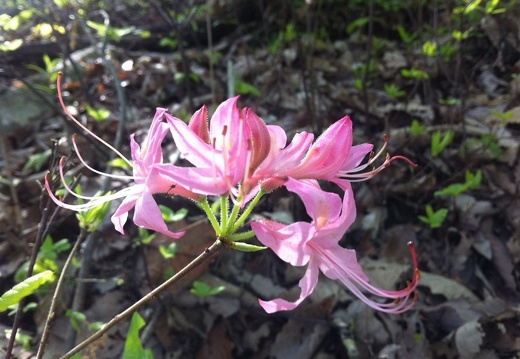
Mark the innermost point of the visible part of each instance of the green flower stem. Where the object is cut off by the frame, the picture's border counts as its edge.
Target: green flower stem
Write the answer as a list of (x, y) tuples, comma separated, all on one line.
[(224, 212), (232, 218), (211, 216), (247, 212), (240, 236)]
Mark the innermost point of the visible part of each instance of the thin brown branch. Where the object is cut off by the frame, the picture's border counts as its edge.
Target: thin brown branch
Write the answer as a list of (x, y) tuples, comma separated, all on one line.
[(208, 253)]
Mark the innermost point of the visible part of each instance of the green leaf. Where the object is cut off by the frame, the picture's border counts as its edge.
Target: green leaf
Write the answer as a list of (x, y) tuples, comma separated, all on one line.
[(290, 32), (439, 144), (452, 190), (23, 289), (168, 273), (144, 236), (491, 143), (472, 6), (41, 265), (133, 345), (245, 88), (119, 163), (92, 218), (202, 289), (23, 339), (429, 49), (110, 32), (434, 218), (473, 180), (37, 161), (415, 74), (99, 114), (169, 215), (356, 24), (62, 245), (394, 91), (61, 3), (6, 46), (449, 101), (47, 249), (502, 116), (76, 318), (168, 252), (95, 326), (417, 128), (405, 36), (168, 42)]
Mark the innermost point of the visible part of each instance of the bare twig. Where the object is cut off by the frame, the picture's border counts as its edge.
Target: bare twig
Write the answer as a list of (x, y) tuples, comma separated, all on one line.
[(208, 253), (52, 308)]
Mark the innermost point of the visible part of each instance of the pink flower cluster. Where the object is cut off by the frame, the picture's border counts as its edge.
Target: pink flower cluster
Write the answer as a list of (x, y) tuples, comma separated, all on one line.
[(239, 156)]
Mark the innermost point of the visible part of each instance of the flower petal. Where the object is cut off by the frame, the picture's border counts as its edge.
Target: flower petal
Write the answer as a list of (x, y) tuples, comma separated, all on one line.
[(327, 154), (323, 207), (190, 145), (307, 285), (148, 215), (287, 241), (120, 216)]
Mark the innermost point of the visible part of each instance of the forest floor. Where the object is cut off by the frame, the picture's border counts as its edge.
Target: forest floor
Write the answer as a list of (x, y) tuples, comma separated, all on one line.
[(303, 68)]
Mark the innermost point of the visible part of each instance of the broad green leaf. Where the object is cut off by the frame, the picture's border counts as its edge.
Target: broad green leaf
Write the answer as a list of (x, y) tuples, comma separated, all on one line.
[(23, 289), (133, 346)]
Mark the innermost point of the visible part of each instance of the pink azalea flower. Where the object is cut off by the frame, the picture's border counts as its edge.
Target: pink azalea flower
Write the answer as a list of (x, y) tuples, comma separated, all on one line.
[(331, 157), (316, 245), (222, 156), (150, 176)]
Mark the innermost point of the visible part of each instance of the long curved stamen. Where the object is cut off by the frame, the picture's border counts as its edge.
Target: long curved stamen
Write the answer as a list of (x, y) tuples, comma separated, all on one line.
[(60, 76), (353, 175), (401, 297), (373, 157), (393, 294), (124, 177), (94, 201)]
